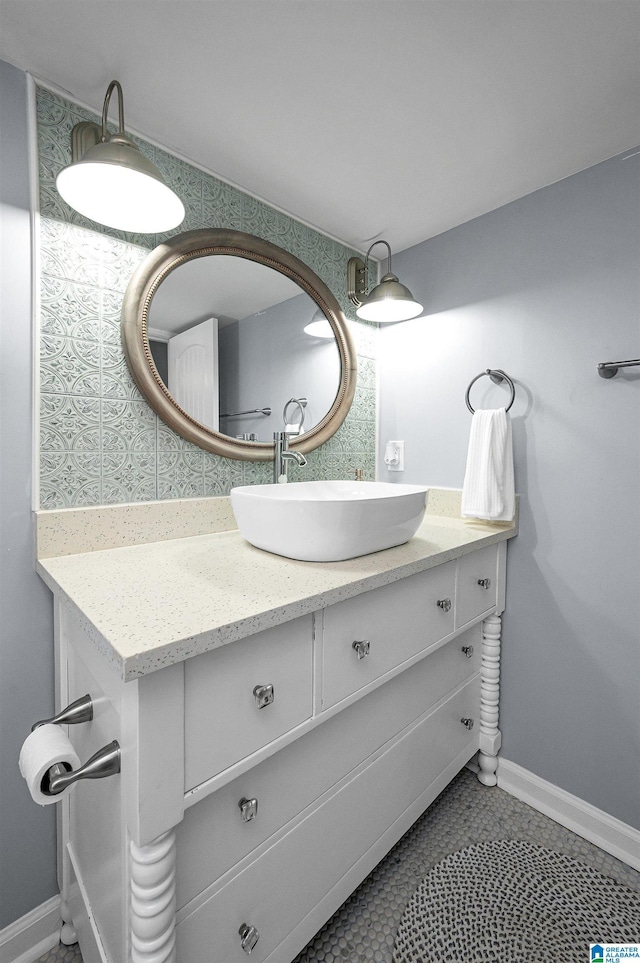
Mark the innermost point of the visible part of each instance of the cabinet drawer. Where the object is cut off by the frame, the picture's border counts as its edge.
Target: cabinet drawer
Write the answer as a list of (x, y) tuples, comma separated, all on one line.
[(222, 720), (474, 596), (398, 621), (213, 836), (290, 878)]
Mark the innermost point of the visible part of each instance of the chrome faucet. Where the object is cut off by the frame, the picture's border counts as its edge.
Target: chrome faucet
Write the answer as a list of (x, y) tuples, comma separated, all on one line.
[(283, 455)]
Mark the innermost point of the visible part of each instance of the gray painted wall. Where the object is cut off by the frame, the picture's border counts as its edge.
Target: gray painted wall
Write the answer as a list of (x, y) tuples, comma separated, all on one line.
[(27, 831), (545, 288)]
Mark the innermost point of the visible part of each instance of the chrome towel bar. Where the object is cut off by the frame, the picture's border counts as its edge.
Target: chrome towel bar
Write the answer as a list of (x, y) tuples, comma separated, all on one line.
[(249, 411), (609, 369)]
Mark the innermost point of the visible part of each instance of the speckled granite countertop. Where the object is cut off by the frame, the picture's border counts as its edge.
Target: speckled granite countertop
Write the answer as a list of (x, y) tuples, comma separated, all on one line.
[(153, 604)]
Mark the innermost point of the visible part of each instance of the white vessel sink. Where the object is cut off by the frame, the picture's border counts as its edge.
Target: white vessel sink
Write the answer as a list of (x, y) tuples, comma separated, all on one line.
[(328, 521)]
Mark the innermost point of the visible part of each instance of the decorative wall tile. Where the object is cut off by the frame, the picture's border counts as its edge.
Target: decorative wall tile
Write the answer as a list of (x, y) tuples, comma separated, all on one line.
[(100, 442), (128, 477), (180, 474), (68, 423), (366, 373), (110, 309), (69, 479), (70, 252), (168, 440), (68, 309), (257, 472), (185, 179), (118, 262), (69, 366), (222, 210), (117, 382), (222, 474), (364, 404), (365, 337), (127, 426)]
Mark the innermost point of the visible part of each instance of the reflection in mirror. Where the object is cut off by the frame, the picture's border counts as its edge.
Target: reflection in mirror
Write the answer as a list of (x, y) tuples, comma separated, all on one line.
[(227, 337), (213, 327)]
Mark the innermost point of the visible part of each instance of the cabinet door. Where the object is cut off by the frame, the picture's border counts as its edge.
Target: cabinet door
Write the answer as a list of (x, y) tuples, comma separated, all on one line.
[(223, 721), (477, 588), (398, 621)]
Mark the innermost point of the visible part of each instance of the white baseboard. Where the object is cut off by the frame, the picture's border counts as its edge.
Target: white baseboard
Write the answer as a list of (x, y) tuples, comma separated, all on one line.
[(32, 935), (598, 827)]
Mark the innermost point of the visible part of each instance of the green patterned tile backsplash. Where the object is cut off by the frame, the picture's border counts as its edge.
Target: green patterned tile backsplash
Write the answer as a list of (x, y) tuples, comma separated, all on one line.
[(100, 443)]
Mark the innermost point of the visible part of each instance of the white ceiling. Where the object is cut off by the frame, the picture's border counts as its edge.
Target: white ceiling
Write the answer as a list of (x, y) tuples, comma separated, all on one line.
[(364, 118)]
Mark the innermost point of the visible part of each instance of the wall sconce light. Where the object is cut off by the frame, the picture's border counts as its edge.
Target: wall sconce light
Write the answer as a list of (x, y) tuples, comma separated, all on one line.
[(319, 326), (388, 301), (111, 181)]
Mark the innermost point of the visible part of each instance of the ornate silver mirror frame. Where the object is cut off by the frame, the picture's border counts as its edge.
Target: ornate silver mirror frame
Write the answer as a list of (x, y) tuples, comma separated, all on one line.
[(135, 315)]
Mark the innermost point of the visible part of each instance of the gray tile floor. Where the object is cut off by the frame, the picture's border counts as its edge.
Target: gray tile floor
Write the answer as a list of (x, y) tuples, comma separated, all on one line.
[(363, 929)]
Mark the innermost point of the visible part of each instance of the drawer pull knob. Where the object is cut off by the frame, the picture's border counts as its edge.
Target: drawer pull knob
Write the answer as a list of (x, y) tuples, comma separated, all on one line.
[(444, 604), (468, 650), (484, 583), (362, 648), (264, 695), (248, 809), (249, 936), (467, 723)]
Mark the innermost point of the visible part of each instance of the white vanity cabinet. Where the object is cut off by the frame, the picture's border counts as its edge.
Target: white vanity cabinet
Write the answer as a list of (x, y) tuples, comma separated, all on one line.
[(281, 724), (264, 779)]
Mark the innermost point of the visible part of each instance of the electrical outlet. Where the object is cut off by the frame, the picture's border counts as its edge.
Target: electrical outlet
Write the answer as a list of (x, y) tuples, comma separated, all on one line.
[(394, 455)]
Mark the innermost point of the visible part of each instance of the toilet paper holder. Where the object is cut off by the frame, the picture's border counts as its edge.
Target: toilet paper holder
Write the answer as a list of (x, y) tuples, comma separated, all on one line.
[(105, 762), (79, 711)]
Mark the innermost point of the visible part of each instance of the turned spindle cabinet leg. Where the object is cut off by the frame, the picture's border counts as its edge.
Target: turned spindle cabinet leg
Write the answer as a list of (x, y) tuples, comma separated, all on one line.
[(490, 737), (152, 870)]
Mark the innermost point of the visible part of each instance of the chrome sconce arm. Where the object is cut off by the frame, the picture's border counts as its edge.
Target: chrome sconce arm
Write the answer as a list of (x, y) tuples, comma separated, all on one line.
[(86, 134)]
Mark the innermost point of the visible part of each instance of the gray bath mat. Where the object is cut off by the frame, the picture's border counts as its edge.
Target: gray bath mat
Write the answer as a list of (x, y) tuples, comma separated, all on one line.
[(511, 902)]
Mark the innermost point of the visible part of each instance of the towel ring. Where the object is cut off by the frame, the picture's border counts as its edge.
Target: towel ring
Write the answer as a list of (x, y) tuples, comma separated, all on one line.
[(497, 375), (301, 404)]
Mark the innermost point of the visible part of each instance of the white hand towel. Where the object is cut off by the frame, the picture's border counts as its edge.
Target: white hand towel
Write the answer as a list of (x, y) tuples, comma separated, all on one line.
[(488, 491)]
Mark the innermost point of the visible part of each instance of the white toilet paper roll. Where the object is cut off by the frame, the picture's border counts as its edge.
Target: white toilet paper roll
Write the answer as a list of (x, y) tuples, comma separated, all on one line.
[(43, 748)]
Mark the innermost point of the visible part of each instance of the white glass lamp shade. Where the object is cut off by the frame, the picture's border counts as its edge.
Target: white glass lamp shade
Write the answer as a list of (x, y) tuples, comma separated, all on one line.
[(116, 185), (389, 301)]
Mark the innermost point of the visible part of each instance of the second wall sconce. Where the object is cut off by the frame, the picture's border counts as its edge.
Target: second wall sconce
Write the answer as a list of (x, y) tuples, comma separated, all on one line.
[(388, 301), (111, 181)]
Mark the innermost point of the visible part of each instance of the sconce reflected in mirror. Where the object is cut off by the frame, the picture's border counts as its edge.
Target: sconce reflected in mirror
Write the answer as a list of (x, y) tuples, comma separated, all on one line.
[(319, 326), (388, 301), (110, 180)]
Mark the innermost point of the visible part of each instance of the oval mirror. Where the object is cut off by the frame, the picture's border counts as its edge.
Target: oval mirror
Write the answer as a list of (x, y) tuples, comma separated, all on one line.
[(213, 328)]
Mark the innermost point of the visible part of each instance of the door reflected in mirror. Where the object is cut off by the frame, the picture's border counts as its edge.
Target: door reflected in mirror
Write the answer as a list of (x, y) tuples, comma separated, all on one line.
[(228, 339)]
